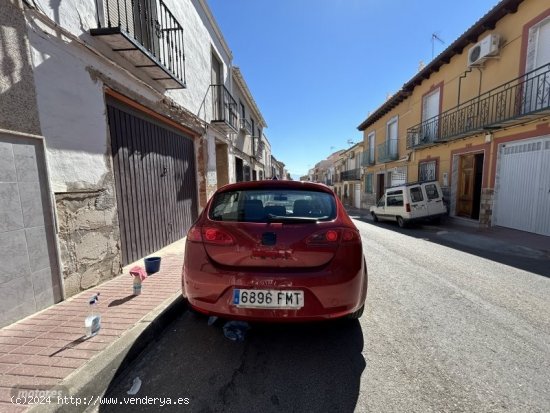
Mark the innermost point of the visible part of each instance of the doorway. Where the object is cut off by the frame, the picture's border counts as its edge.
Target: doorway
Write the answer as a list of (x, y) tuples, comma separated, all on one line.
[(470, 178), (379, 185)]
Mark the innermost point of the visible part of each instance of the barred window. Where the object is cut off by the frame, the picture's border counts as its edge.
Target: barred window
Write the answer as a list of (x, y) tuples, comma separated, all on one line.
[(427, 171)]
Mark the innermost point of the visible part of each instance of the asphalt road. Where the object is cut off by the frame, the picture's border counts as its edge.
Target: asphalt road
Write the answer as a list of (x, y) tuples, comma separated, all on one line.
[(443, 331)]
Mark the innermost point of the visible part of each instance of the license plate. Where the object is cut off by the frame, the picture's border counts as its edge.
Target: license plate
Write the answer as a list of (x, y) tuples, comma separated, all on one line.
[(268, 298)]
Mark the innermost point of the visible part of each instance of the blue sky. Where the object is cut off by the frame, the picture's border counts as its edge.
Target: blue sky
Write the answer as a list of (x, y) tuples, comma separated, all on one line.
[(316, 68)]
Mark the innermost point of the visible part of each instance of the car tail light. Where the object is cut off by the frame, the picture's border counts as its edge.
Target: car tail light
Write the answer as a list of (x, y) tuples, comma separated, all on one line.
[(334, 236), (324, 237), (408, 207), (194, 235), (217, 236), (331, 235), (350, 235)]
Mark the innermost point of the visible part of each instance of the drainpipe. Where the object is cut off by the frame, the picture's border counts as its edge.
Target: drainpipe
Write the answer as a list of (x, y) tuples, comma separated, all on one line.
[(462, 76)]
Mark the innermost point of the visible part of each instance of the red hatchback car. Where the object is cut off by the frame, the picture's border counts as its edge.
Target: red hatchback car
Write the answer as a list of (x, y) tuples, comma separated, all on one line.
[(275, 251)]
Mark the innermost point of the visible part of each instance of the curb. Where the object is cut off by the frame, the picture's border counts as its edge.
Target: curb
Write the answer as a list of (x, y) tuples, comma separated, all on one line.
[(91, 381)]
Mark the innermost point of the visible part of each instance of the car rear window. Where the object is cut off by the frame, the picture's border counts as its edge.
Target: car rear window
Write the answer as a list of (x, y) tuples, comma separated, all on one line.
[(265, 205)]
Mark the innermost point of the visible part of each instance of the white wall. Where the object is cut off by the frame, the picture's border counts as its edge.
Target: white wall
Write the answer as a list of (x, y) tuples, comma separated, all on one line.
[(71, 100)]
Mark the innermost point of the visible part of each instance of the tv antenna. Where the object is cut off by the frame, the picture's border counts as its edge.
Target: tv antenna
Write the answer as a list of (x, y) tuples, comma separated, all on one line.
[(434, 38), (350, 142)]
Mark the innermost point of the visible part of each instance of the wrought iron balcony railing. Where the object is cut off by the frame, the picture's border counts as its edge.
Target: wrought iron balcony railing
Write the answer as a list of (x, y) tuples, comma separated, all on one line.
[(351, 175), (246, 126), (513, 102), (367, 158), (147, 34), (387, 151), (224, 109)]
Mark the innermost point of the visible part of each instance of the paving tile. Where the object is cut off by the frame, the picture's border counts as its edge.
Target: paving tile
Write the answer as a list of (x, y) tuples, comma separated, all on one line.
[(39, 360), (68, 362), (5, 368), (6, 348), (12, 408), (18, 331), (14, 358), (14, 340), (10, 380), (56, 372), (76, 353), (29, 350)]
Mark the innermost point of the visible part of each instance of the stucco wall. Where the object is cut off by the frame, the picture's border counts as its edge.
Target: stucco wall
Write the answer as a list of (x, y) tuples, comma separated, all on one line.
[(17, 94), (70, 83)]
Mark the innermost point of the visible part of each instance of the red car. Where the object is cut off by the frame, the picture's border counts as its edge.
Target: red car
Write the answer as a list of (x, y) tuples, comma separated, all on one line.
[(275, 251)]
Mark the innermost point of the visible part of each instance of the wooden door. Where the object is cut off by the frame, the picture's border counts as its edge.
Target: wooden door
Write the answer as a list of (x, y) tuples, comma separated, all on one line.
[(466, 175)]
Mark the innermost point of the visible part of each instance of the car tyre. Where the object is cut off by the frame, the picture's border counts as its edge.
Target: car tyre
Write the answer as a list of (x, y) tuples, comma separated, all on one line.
[(401, 222), (374, 217), (356, 314)]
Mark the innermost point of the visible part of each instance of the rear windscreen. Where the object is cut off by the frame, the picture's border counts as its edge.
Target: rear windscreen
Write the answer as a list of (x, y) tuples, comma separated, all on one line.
[(266, 205)]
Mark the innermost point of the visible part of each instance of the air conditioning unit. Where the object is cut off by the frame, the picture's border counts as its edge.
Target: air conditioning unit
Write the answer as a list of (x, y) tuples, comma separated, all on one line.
[(487, 47)]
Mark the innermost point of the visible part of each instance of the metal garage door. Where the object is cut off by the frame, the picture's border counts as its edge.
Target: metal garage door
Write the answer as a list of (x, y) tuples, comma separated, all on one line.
[(29, 279), (154, 169), (522, 199)]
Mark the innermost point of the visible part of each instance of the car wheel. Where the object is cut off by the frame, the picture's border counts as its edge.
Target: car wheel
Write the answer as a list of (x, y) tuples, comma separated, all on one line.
[(356, 314), (374, 217), (401, 222)]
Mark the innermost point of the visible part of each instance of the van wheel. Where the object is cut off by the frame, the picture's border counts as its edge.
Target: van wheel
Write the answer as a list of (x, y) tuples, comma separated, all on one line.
[(374, 217), (401, 222), (436, 221)]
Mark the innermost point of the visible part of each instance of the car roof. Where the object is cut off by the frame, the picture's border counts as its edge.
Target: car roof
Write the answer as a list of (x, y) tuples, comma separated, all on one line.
[(413, 183), (275, 184)]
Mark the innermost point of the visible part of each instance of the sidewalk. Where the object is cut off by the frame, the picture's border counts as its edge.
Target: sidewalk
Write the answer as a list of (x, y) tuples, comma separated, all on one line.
[(49, 350), (462, 231)]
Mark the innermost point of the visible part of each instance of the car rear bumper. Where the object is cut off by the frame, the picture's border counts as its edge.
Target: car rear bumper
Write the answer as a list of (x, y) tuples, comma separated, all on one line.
[(328, 293)]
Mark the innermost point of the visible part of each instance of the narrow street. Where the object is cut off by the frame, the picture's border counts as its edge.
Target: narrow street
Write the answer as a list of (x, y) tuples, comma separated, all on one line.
[(444, 330)]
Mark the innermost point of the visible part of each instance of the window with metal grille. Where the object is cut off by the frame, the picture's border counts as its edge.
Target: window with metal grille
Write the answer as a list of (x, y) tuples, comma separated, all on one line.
[(427, 171)]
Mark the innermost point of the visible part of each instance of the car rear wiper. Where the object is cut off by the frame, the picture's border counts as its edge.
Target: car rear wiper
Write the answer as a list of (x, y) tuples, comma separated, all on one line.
[(291, 219)]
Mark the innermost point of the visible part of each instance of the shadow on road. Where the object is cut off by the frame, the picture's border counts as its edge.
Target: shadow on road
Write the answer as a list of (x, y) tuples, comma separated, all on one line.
[(505, 252), (279, 367)]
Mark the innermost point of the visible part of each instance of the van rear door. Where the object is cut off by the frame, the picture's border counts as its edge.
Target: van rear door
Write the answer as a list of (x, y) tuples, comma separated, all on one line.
[(418, 201), (435, 199)]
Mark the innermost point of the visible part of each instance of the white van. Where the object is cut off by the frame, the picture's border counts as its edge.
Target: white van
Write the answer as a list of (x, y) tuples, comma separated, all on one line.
[(416, 201)]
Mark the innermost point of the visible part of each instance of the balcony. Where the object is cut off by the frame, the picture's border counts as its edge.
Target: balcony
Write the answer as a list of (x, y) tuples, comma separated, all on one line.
[(146, 34), (387, 151), (351, 175), (246, 126), (524, 98), (367, 158), (224, 109)]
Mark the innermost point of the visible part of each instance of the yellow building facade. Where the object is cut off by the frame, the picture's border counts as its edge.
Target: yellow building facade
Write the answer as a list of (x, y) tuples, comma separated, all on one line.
[(477, 120)]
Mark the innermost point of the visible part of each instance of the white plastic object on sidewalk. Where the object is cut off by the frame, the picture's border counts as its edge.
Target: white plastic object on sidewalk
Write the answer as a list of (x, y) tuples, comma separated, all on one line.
[(92, 323)]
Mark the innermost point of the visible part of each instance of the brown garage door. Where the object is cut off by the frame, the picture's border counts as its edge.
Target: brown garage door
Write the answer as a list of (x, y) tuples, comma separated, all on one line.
[(154, 168)]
